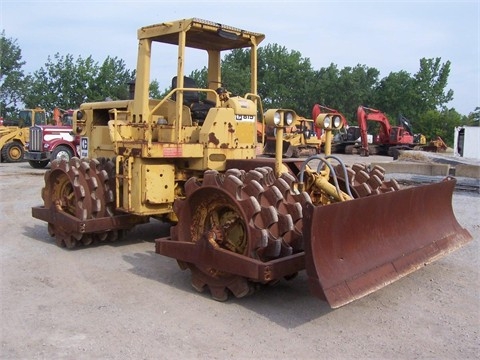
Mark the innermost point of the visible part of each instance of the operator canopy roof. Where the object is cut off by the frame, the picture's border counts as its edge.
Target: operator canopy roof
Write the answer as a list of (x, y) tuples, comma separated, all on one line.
[(201, 34)]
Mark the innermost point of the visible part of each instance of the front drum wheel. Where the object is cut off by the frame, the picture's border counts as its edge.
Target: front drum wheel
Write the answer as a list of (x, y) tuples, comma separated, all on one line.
[(242, 212)]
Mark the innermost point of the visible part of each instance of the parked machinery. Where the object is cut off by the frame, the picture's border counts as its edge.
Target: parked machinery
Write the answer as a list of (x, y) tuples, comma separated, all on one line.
[(238, 221), (299, 139), (14, 134), (345, 139), (49, 142), (391, 139)]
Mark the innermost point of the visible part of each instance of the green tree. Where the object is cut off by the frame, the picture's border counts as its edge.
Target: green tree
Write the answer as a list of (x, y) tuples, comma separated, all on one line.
[(435, 123), (66, 83), (236, 71), (429, 85), (54, 85), (200, 77), (473, 119), (396, 93), (12, 78), (285, 79), (154, 90), (421, 97), (112, 80), (328, 93), (346, 89), (357, 86)]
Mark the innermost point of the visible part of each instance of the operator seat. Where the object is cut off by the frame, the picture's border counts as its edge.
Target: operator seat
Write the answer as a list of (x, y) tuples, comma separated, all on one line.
[(198, 108)]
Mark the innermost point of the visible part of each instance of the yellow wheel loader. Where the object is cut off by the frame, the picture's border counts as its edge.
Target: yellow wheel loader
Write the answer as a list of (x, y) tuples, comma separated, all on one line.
[(238, 221), (299, 140), (14, 135)]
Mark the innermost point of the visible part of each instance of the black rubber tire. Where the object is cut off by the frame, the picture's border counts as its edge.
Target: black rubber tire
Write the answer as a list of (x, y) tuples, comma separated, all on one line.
[(38, 164), (62, 152), (17, 150)]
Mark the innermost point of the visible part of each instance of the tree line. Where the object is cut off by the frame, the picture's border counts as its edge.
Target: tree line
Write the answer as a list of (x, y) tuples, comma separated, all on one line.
[(285, 79)]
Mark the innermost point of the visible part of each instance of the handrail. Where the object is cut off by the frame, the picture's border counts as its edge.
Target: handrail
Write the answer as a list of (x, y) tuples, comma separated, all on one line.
[(259, 103)]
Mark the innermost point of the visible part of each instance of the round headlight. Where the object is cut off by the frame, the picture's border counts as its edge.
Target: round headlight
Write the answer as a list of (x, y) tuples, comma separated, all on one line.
[(337, 121), (289, 118), (327, 122), (276, 118)]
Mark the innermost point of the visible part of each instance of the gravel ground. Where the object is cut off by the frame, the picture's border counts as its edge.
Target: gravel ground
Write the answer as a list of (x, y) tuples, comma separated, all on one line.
[(123, 301)]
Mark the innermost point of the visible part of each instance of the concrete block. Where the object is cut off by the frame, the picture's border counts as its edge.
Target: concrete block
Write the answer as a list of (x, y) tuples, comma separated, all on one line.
[(428, 169), (465, 170)]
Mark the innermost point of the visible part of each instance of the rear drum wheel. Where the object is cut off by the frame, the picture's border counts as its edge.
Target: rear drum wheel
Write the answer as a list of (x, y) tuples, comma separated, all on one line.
[(66, 188), (81, 188)]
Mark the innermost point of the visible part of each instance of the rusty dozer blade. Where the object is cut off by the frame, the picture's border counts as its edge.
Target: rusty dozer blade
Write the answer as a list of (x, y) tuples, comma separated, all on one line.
[(356, 247)]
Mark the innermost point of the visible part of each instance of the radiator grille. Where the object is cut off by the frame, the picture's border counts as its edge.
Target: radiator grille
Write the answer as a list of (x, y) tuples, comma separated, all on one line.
[(36, 137)]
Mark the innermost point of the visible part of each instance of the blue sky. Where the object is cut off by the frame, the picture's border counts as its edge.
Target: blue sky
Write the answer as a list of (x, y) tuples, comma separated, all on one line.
[(387, 35)]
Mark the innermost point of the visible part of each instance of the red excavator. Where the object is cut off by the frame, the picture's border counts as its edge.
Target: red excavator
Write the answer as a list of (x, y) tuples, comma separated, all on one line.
[(390, 138)]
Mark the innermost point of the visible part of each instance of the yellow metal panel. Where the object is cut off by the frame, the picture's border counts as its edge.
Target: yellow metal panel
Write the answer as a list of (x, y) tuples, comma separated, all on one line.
[(186, 116), (242, 106), (159, 183), (192, 134), (119, 130), (246, 133), (100, 142), (166, 134), (219, 128)]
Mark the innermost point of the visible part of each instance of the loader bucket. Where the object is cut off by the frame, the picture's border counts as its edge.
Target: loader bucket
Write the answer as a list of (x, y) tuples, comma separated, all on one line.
[(356, 247), (287, 148)]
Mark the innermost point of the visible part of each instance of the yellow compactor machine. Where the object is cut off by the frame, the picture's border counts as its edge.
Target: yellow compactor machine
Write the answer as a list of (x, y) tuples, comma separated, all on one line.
[(238, 221)]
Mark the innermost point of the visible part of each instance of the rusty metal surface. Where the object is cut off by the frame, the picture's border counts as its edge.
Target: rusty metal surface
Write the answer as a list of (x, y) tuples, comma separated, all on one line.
[(72, 224), (234, 229), (357, 247), (203, 254), (292, 164), (79, 203), (349, 249)]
